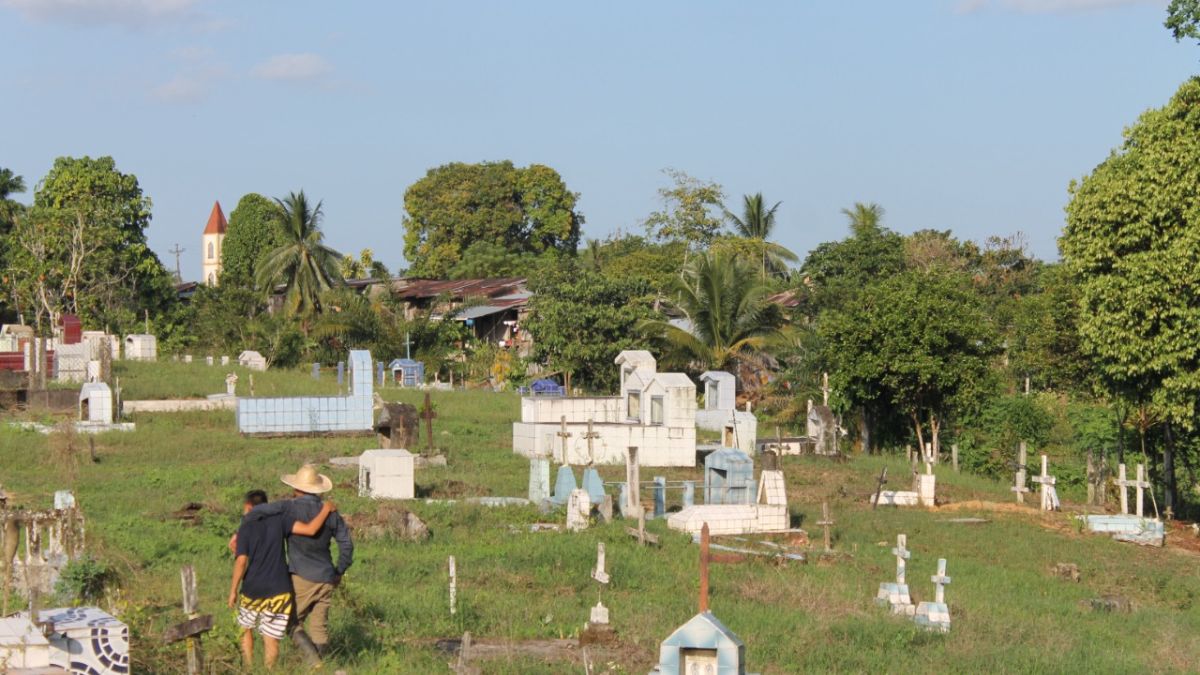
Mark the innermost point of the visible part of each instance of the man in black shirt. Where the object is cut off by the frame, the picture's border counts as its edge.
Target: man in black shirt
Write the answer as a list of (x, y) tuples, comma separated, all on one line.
[(314, 574), (266, 601)]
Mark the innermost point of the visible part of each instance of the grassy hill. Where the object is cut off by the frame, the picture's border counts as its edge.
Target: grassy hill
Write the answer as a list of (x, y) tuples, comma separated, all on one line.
[(1009, 612)]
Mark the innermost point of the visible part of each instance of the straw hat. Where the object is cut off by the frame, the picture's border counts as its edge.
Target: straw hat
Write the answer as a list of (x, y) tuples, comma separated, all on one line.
[(308, 480)]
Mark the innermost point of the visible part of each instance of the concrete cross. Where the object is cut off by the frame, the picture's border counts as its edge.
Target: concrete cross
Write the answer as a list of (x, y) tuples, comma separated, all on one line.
[(1019, 480), (589, 436), (826, 522), (1043, 481), (1140, 484), (902, 553), (564, 435), (1123, 483), (939, 581)]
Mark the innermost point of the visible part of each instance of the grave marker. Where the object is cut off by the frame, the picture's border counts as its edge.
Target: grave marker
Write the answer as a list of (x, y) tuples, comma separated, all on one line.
[(895, 595), (196, 625), (1046, 482), (590, 436), (579, 507), (1019, 480), (660, 496), (564, 435), (600, 574), (879, 490), (539, 479), (1123, 483), (1140, 484), (633, 488), (936, 615), (453, 587), (826, 522)]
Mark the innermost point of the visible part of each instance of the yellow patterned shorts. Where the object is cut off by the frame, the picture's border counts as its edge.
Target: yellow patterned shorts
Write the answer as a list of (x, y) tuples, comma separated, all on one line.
[(269, 615)]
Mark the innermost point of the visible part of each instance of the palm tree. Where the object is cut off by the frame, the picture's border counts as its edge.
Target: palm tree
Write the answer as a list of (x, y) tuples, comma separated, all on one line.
[(726, 312), (10, 183), (756, 223), (864, 218), (302, 263)]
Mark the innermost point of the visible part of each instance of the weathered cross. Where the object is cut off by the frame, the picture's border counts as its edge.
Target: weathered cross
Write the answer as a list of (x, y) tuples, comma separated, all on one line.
[(826, 522), (1045, 484), (939, 581), (428, 415), (1140, 484), (1123, 483), (196, 625), (564, 435), (902, 553), (589, 436), (879, 490), (1019, 481), (707, 557)]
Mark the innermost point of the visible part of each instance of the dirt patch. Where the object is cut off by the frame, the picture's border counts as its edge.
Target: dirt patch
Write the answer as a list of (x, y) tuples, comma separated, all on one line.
[(450, 489), (486, 649)]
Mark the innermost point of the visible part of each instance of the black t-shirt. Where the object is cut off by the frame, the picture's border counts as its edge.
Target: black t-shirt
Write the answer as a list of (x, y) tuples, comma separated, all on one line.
[(261, 540)]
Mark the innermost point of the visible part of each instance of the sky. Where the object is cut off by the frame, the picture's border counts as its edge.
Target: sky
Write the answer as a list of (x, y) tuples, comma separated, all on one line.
[(967, 115)]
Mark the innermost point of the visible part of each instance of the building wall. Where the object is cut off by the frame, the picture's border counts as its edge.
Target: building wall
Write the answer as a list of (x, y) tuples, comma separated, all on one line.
[(657, 445), (211, 265)]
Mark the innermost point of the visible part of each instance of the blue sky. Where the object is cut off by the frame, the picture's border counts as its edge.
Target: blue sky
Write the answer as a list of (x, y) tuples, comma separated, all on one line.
[(970, 115)]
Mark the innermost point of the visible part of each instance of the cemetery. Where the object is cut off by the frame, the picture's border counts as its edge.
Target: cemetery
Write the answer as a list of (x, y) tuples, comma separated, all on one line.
[(524, 363), (504, 577)]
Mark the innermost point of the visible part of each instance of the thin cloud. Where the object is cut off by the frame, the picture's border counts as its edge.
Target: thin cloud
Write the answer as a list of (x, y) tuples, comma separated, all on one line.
[(127, 13), (1049, 6), (293, 67), (189, 87)]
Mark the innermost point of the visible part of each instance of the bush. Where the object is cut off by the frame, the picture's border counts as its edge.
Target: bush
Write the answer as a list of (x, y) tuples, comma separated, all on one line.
[(84, 580)]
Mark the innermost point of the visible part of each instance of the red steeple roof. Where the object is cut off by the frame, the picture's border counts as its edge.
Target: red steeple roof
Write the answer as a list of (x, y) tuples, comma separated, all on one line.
[(216, 220)]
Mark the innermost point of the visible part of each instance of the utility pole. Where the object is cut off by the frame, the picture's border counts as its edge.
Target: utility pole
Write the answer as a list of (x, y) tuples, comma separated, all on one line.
[(177, 251)]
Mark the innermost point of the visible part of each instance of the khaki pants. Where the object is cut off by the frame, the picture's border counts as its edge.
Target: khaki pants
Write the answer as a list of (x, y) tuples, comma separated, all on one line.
[(312, 600)]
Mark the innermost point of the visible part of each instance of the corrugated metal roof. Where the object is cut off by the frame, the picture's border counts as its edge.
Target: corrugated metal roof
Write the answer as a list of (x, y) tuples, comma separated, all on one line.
[(419, 289)]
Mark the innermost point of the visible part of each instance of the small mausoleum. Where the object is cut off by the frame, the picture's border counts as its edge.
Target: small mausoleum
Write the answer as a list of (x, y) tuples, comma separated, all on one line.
[(728, 477), (654, 412), (702, 646), (739, 428), (141, 347), (252, 360), (385, 474), (95, 403), (407, 372)]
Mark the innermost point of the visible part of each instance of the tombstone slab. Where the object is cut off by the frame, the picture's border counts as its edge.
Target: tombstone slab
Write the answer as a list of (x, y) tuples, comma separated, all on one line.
[(579, 508)]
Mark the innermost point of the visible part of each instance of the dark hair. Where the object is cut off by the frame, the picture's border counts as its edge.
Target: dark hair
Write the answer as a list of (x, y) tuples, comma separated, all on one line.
[(256, 497)]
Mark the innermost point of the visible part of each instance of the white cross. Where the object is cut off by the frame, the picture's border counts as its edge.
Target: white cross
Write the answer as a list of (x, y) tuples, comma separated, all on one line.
[(588, 436), (940, 580), (1019, 481), (1141, 483), (1124, 483), (1043, 481), (564, 435), (902, 553)]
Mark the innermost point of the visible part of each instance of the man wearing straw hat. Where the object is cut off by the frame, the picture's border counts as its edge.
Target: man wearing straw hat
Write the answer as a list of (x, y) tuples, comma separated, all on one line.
[(314, 575)]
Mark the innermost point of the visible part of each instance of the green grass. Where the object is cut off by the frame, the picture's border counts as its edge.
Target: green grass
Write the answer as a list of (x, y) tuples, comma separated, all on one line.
[(1009, 614)]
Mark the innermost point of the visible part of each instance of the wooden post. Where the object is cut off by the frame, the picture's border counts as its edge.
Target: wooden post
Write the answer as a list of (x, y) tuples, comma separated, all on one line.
[(453, 588), (196, 625), (1019, 480), (879, 490), (704, 569), (1123, 483), (428, 415), (954, 456), (564, 435), (1091, 479), (825, 522)]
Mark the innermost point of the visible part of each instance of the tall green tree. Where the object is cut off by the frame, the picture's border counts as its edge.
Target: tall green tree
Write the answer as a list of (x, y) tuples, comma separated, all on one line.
[(864, 217), (81, 249), (725, 307), (253, 232), (835, 272), (1183, 19), (10, 184), (580, 320), (302, 263), (693, 211), (757, 224), (1133, 241), (525, 210), (918, 341)]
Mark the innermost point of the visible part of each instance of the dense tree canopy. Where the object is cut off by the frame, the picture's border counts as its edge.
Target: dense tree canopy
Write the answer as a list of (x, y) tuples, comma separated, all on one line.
[(1133, 240), (81, 249), (580, 320), (253, 232), (525, 210), (692, 211)]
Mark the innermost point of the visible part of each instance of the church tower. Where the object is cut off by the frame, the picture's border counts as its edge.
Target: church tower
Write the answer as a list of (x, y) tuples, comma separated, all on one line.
[(210, 249)]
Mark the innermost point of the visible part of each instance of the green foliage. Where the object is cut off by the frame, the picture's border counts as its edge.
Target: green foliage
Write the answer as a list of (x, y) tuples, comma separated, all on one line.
[(919, 341), (524, 210), (484, 259), (365, 266), (725, 303), (253, 232), (657, 265), (836, 272), (10, 184), (1133, 241), (81, 249), (581, 320), (692, 212), (83, 581), (302, 263), (1183, 19)]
